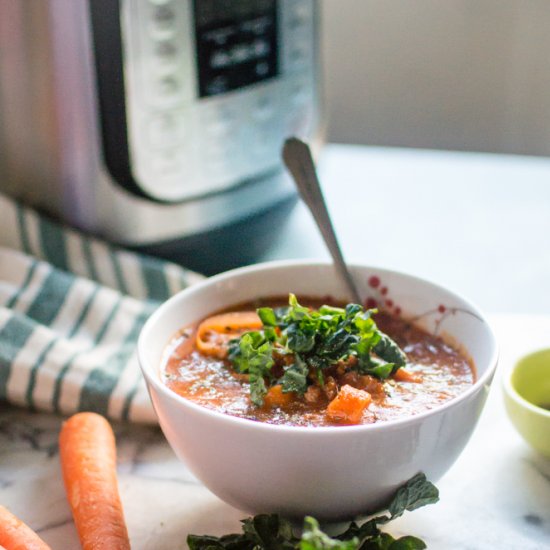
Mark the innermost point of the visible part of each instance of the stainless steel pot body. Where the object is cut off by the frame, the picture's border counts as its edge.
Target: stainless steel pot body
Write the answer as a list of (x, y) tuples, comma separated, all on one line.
[(152, 121)]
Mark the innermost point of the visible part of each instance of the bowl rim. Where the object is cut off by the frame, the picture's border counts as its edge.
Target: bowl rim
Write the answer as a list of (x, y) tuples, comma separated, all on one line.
[(319, 430), (511, 391)]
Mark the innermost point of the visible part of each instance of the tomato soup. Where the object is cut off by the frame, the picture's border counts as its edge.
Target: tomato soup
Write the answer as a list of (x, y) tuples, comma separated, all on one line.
[(296, 391)]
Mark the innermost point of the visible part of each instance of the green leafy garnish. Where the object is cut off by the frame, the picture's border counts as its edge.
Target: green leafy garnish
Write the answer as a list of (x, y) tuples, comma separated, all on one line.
[(254, 356), (295, 376), (315, 539), (271, 532), (316, 340)]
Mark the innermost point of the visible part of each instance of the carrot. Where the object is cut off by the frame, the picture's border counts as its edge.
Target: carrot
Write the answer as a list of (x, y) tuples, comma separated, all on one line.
[(348, 405), (404, 375), (275, 397), (16, 535), (88, 461), (214, 332)]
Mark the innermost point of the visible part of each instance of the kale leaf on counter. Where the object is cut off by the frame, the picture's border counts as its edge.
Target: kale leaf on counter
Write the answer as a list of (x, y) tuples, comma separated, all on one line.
[(271, 532)]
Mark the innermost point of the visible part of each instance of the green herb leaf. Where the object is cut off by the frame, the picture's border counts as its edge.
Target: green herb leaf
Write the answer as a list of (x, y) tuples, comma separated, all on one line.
[(381, 371), (408, 543), (417, 492), (382, 541), (300, 339), (361, 532), (202, 542), (315, 539), (267, 316), (258, 389), (296, 312), (271, 532), (295, 377), (388, 350), (270, 334), (255, 357)]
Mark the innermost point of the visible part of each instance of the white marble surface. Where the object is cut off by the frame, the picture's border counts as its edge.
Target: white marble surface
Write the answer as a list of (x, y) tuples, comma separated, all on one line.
[(497, 494)]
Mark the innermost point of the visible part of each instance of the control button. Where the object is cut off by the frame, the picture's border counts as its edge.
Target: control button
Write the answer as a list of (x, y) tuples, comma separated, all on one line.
[(167, 85), (163, 19), (299, 53), (302, 10), (165, 130), (165, 51)]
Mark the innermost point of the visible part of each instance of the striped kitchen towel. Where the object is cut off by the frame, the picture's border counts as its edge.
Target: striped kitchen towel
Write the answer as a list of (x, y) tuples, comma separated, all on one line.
[(71, 309)]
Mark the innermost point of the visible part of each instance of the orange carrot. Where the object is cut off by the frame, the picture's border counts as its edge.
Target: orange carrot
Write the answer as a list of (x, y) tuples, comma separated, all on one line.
[(404, 375), (88, 460), (348, 406), (15, 535), (214, 332), (275, 397)]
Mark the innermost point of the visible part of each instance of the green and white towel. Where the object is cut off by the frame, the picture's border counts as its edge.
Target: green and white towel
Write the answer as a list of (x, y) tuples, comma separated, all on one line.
[(71, 309)]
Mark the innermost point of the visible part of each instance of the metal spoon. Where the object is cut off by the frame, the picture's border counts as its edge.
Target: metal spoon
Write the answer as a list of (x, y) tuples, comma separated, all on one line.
[(297, 158)]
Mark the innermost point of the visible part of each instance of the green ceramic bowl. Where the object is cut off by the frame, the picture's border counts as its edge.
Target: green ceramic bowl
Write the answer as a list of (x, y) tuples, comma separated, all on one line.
[(527, 399)]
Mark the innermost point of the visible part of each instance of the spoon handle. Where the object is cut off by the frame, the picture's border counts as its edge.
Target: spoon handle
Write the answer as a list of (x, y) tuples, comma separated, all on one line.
[(297, 158)]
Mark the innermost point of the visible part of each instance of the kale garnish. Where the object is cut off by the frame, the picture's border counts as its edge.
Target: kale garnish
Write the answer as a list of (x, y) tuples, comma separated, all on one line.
[(271, 532), (315, 340)]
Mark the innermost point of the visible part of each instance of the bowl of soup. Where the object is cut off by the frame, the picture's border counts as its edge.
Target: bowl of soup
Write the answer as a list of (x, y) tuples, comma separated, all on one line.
[(282, 397)]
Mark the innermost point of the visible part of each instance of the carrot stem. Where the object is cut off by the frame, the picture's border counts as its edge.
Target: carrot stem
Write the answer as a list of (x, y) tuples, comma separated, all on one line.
[(16, 535), (88, 460)]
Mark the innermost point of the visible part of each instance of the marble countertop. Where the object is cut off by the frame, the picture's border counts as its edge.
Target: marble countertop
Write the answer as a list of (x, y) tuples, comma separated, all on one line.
[(497, 494)]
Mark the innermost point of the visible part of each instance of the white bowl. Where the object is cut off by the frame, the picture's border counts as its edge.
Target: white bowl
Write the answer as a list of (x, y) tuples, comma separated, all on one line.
[(332, 473)]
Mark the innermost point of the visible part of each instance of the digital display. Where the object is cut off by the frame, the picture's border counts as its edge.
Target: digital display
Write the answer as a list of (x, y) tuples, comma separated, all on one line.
[(236, 43)]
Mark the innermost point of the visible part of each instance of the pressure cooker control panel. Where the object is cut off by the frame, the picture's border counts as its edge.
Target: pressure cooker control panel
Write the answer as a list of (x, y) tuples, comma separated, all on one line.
[(212, 89)]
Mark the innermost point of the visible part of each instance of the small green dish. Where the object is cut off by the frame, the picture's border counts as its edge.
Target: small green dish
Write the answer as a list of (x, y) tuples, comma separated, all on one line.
[(527, 399)]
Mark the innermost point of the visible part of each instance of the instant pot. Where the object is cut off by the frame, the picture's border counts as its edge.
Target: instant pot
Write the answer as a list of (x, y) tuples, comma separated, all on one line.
[(158, 124)]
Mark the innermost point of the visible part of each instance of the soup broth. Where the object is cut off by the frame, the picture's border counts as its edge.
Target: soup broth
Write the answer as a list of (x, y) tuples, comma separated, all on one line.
[(435, 372)]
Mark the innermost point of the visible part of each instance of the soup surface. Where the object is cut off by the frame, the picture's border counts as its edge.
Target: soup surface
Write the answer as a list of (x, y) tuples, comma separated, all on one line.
[(434, 373)]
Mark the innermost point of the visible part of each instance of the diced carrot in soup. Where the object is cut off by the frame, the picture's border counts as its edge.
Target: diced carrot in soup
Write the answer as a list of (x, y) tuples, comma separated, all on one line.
[(404, 375), (348, 406), (275, 397)]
